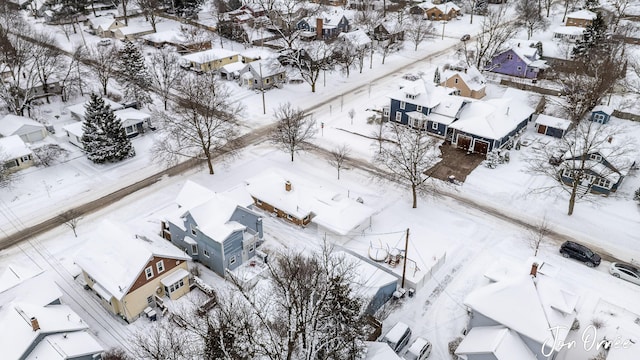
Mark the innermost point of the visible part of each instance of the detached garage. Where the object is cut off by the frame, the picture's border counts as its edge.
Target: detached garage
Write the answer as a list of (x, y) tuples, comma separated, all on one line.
[(552, 126), (29, 130)]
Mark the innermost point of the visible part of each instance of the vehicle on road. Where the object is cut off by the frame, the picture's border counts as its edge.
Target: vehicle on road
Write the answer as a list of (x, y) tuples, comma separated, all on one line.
[(625, 272), (419, 350), (410, 77), (398, 336), (579, 252), (465, 37)]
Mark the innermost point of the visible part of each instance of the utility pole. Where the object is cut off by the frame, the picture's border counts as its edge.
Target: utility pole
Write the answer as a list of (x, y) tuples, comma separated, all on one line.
[(404, 265), (264, 107)]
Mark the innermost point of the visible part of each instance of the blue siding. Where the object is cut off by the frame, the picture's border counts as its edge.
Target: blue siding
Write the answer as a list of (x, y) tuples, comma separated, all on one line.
[(441, 131), (249, 219), (409, 107), (381, 297), (604, 117), (555, 132)]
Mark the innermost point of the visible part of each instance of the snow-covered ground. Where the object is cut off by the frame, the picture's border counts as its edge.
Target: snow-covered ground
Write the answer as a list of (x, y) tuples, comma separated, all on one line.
[(473, 240)]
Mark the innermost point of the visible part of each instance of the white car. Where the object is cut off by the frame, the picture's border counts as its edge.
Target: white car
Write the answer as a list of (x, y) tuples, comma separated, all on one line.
[(419, 350), (625, 272)]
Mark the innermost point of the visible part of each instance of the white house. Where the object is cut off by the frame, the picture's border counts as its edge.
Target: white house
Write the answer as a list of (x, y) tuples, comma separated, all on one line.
[(77, 111), (15, 154), (28, 129)]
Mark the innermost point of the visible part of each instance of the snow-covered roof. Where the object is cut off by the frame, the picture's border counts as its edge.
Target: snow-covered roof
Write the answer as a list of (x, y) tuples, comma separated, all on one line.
[(18, 125), (377, 350), (369, 278), (213, 217), (530, 306), (209, 55), (65, 346), (193, 194), (444, 8), (332, 209), (74, 129), (528, 54), (173, 36), (503, 343), (102, 22), (131, 116), (603, 108), (115, 255), (424, 93), (356, 38), (256, 53), (38, 288), (583, 14), (79, 109), (450, 105), (552, 121), (492, 119), (269, 67), (135, 29), (12, 147), (569, 30), (234, 67)]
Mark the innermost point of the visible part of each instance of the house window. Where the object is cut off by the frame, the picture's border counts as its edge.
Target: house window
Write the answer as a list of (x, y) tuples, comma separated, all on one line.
[(258, 202), (599, 117), (193, 229), (26, 158), (289, 217), (148, 272), (510, 57), (402, 105), (455, 81), (434, 126), (175, 286), (252, 247), (150, 300), (419, 108), (519, 68), (595, 157), (205, 252), (567, 173), (194, 249), (266, 81), (160, 266), (603, 183), (232, 260), (398, 116)]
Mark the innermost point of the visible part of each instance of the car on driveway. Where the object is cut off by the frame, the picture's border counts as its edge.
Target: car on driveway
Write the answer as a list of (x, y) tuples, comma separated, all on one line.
[(625, 272), (105, 42), (419, 350), (570, 249)]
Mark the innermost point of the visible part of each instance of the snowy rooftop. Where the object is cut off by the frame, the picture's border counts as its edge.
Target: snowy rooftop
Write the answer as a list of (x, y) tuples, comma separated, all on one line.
[(356, 38), (370, 278), (444, 8), (65, 346), (115, 255), (12, 123), (209, 55), (470, 75), (529, 306), (492, 119), (552, 121), (424, 93), (74, 129), (377, 350), (131, 116), (568, 30), (103, 22), (13, 147), (38, 288), (174, 36), (79, 109), (603, 108), (268, 67), (503, 343), (135, 29), (582, 14)]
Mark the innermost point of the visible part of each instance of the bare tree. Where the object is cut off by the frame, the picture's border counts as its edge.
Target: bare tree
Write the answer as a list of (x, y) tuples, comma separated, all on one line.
[(567, 5), (338, 156), (104, 67), (161, 341), (283, 16), (386, 47), (345, 56), (352, 114), (368, 19), (538, 234), (202, 125), (115, 354), (591, 155), (165, 71), (293, 129), (149, 8), (316, 57), (495, 30), (7, 176), (72, 77), (417, 31), (71, 219), (620, 6), (408, 153), (125, 3), (49, 61), (529, 17), (49, 154)]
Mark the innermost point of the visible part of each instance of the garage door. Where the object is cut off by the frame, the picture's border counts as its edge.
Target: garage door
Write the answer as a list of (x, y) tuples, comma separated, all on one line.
[(542, 129), (480, 147), (463, 142)]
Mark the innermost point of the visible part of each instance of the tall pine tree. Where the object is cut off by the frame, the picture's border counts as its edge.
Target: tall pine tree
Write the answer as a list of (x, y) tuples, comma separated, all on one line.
[(104, 138), (436, 76), (594, 43), (133, 74)]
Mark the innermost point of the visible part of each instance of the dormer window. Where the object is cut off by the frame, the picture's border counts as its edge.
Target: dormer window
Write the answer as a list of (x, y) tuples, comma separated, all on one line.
[(595, 157), (411, 96), (510, 57)]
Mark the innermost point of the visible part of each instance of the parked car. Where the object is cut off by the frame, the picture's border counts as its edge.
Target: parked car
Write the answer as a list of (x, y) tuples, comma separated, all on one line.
[(411, 77), (465, 37), (419, 350), (579, 252), (398, 336), (625, 272), (105, 42)]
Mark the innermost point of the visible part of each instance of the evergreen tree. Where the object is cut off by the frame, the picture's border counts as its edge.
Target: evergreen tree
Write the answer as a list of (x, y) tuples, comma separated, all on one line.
[(133, 74), (436, 76), (594, 42), (538, 46), (94, 140), (119, 146), (591, 5), (188, 8)]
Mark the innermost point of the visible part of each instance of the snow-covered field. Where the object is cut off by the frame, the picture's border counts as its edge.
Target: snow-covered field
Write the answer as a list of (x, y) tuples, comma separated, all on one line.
[(473, 240)]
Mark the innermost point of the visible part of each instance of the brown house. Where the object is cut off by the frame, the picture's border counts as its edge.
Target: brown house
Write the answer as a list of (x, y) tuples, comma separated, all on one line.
[(468, 80), (437, 12), (581, 18)]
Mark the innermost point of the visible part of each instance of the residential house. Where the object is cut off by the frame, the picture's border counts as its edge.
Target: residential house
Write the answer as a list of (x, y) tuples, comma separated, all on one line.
[(301, 201), (492, 124), (178, 40), (212, 59), (520, 60), (551, 125), (448, 110), (326, 25), (388, 30), (132, 32), (213, 228), (232, 71), (253, 54), (414, 101), (568, 33), (15, 154), (104, 25), (520, 316), (263, 74), (372, 284), (132, 270), (601, 114), (436, 12), (580, 18), (134, 122), (356, 40), (35, 322), (77, 110), (331, 2), (604, 167), (467, 79), (29, 130)]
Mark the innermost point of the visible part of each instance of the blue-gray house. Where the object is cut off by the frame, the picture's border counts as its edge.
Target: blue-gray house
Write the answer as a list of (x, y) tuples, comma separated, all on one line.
[(326, 25), (601, 114), (213, 229)]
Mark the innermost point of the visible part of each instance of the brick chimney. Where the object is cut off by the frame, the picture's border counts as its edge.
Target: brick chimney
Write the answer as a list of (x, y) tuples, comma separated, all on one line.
[(610, 139), (319, 22), (34, 324), (287, 185), (534, 270)]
